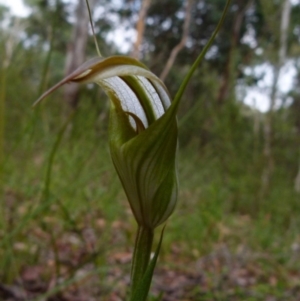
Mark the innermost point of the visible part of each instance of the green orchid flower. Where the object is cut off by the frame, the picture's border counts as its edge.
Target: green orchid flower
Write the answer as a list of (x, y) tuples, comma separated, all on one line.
[(143, 138)]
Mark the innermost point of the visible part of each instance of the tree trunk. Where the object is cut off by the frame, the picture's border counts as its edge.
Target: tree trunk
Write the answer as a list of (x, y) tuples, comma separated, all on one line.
[(76, 51), (296, 109), (268, 128), (140, 28), (297, 179), (228, 74), (9, 46), (181, 44)]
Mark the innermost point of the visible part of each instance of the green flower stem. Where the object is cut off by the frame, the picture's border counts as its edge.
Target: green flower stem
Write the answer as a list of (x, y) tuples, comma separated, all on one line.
[(200, 57), (141, 255)]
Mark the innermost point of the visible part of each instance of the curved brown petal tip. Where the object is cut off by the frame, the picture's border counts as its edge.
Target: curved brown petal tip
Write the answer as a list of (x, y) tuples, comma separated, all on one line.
[(65, 80), (78, 75)]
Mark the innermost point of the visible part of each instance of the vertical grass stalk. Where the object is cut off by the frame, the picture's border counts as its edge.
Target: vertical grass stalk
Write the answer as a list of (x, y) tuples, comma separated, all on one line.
[(7, 251), (2, 125)]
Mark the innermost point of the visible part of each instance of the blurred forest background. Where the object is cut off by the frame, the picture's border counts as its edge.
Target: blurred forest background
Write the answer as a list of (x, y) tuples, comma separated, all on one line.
[(66, 229)]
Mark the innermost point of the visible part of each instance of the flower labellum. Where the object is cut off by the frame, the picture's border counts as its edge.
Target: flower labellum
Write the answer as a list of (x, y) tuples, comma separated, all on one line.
[(142, 133)]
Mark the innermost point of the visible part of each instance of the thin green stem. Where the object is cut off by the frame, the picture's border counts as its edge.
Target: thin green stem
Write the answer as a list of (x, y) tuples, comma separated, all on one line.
[(7, 250), (2, 124), (46, 192), (45, 70), (141, 255), (93, 30), (199, 58)]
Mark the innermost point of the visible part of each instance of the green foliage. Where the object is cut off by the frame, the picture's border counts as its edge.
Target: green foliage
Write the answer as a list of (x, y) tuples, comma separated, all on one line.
[(217, 202)]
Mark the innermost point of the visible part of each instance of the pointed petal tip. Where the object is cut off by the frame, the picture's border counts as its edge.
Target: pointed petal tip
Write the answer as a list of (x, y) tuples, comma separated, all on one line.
[(52, 89), (37, 101), (44, 95)]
